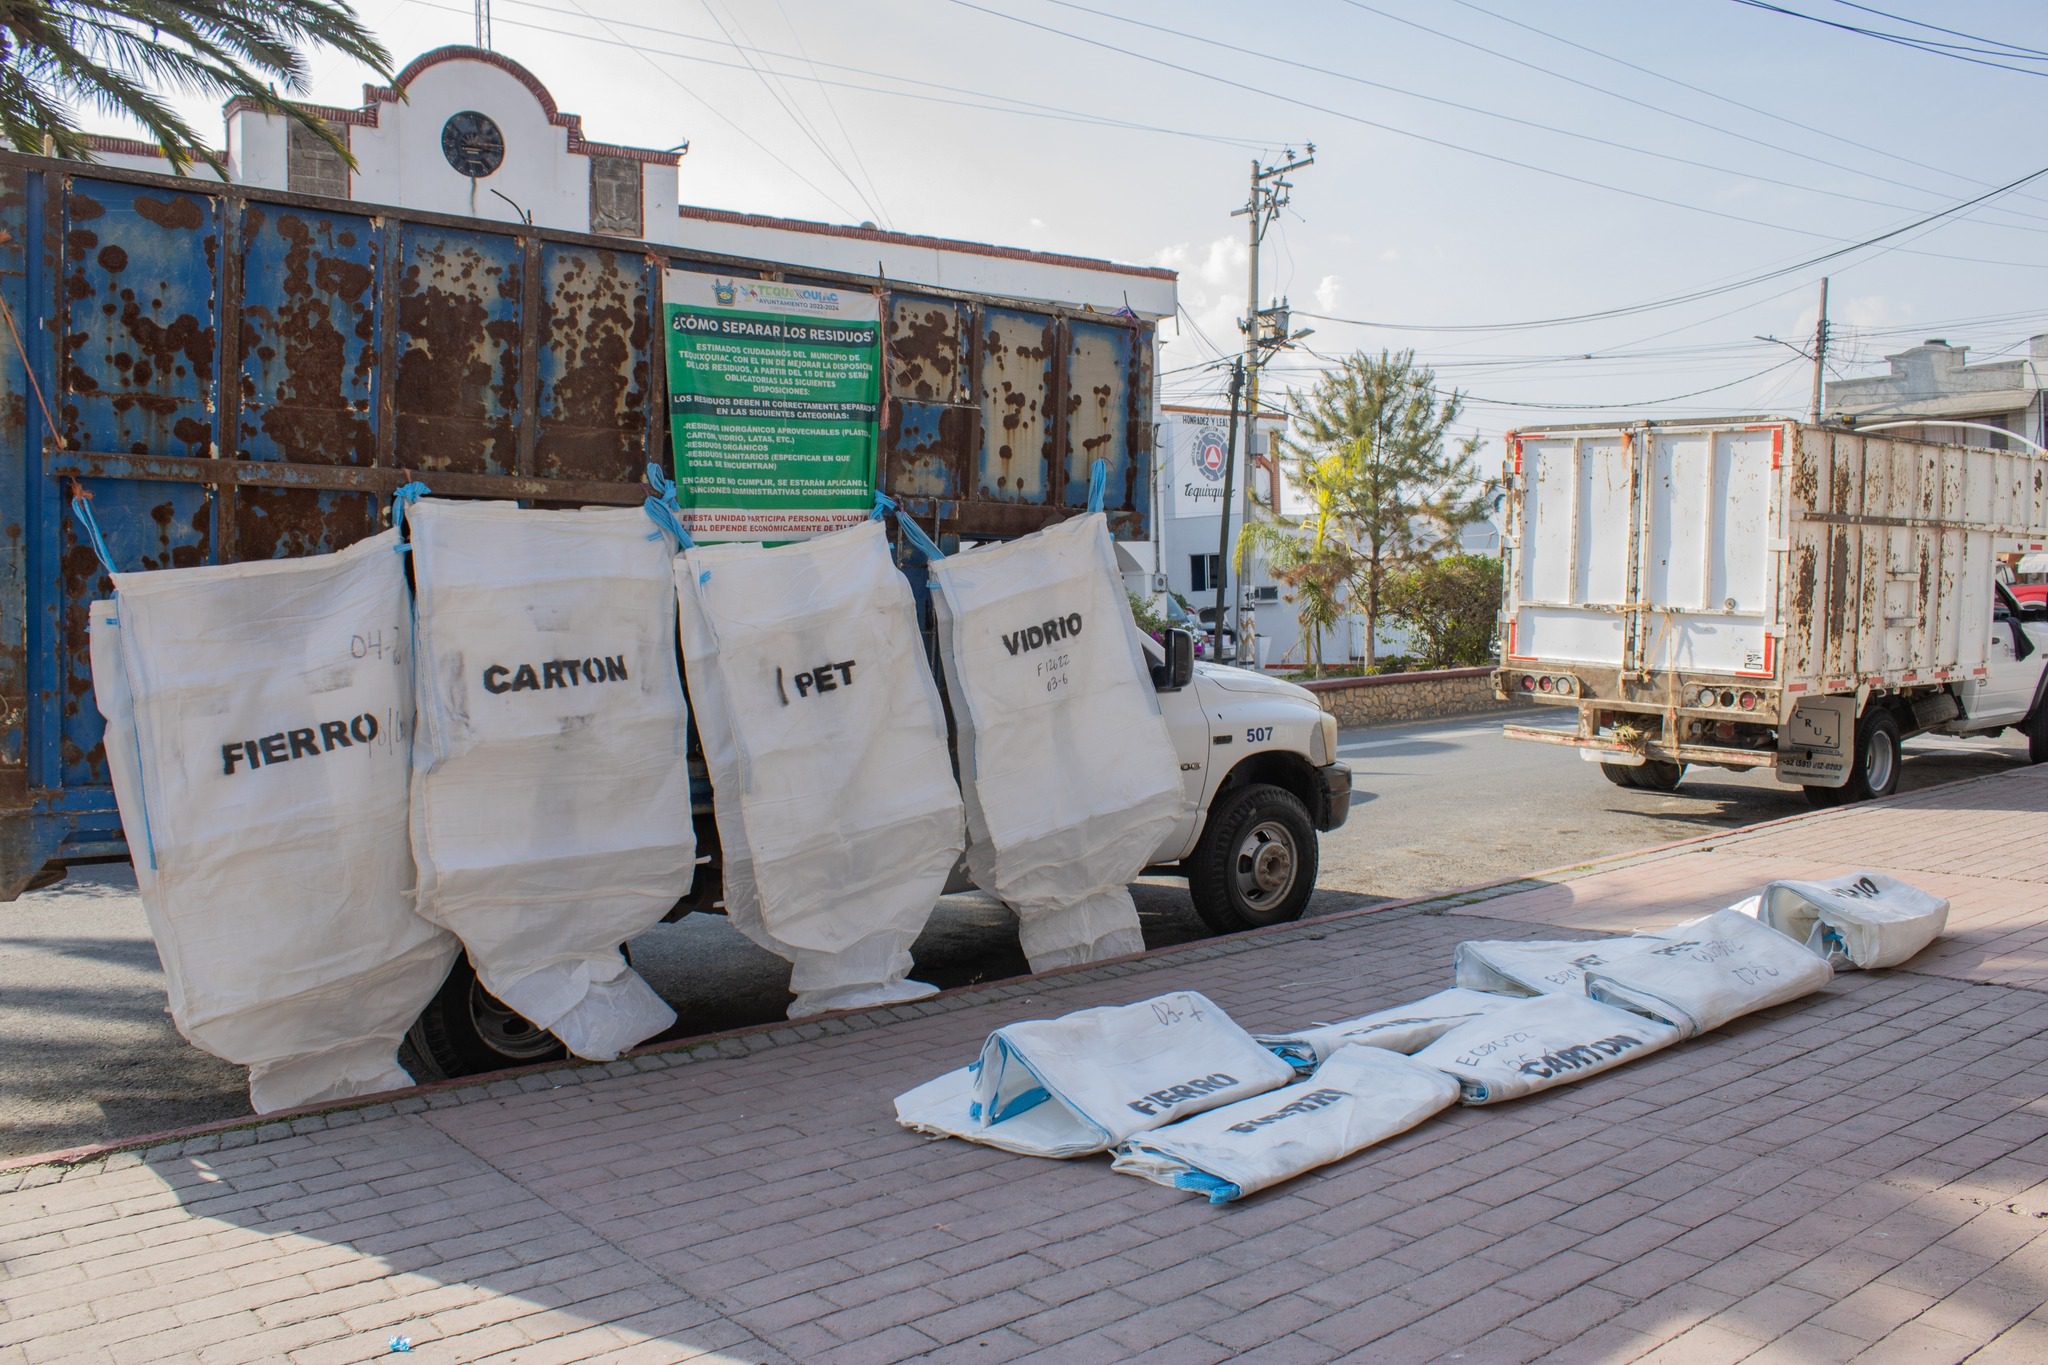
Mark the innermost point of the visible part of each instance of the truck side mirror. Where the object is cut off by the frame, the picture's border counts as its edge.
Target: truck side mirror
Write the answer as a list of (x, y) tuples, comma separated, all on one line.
[(1179, 668)]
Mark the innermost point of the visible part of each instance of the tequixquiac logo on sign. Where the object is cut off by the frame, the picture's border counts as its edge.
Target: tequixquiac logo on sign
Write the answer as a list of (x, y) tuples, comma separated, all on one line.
[(773, 297), (1210, 451)]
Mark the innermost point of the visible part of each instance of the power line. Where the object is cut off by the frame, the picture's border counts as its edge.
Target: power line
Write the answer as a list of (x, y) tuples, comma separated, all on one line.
[(1694, 295), (832, 107), (1011, 104), (1547, 72), (1539, 126), (1950, 50), (1426, 138), (1711, 94), (2015, 48)]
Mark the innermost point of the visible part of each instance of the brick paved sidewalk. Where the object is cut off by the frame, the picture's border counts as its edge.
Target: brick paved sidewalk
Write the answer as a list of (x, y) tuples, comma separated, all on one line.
[(1862, 1175)]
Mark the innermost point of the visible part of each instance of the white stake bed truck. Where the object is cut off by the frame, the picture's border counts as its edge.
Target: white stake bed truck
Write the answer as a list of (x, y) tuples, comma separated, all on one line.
[(1761, 593)]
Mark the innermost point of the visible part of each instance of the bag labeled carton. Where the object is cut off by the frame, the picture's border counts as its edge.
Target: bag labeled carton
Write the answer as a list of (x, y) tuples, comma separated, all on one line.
[(551, 793), (1542, 1042)]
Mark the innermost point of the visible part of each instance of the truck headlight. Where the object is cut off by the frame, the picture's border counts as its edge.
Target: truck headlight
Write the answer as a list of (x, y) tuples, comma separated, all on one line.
[(1322, 741)]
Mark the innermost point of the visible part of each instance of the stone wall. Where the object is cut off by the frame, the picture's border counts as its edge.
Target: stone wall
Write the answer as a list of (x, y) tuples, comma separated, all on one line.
[(1391, 698)]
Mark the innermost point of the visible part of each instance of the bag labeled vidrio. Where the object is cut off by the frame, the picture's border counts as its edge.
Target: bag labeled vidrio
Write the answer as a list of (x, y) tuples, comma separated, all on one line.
[(838, 816), (551, 791), (1069, 773), (258, 735)]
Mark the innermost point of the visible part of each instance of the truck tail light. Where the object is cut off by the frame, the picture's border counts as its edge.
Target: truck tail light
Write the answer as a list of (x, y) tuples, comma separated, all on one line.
[(1747, 701), (1528, 683), (1544, 684)]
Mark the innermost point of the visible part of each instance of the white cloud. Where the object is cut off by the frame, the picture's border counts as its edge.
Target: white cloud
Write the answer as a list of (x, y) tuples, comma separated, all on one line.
[(1328, 289), (1212, 283)]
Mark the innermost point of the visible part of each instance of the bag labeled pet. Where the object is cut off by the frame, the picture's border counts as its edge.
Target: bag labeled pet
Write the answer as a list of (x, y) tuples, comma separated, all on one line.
[(838, 815)]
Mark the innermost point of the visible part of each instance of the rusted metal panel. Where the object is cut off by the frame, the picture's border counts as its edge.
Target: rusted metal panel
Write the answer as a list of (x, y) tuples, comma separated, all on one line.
[(308, 370), (595, 367), (15, 399), (1017, 350), (1097, 413), (240, 374), (457, 380)]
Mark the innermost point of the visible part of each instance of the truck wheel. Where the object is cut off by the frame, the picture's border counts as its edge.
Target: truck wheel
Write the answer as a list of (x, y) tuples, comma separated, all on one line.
[(2037, 735), (465, 1030), (1256, 863), (1620, 774), (1876, 770), (1656, 775)]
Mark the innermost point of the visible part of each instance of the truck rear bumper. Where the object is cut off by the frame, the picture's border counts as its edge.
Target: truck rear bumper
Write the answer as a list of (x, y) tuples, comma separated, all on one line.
[(1334, 805), (1615, 751)]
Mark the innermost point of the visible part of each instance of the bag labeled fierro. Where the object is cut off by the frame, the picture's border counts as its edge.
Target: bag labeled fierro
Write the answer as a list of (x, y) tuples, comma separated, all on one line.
[(837, 812), (1069, 773), (1711, 970), (1084, 1082), (1535, 1044), (551, 795), (259, 722), (1360, 1096)]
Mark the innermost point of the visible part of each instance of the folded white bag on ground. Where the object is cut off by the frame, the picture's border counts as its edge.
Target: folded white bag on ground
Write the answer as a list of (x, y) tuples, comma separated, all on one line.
[(1070, 776), (551, 794), (838, 815), (1865, 919), (1541, 966), (1709, 971), (1402, 1028), (1535, 1044), (1360, 1096), (1084, 1082), (258, 723)]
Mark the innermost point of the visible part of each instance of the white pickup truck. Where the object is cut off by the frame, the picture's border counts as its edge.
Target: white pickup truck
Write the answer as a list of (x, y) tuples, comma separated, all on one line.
[(1258, 762), (1761, 593)]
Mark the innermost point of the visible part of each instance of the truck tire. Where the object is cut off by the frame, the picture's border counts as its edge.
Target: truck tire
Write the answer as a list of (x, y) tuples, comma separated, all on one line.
[(1256, 862), (1657, 775), (1620, 774), (1876, 769), (2037, 734), (465, 1031)]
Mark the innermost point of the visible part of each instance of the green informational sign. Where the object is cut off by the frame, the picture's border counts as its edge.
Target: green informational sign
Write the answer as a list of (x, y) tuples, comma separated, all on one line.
[(773, 393)]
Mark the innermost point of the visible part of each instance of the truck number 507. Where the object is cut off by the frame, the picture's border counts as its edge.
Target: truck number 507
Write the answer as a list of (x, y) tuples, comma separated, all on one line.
[(1258, 734)]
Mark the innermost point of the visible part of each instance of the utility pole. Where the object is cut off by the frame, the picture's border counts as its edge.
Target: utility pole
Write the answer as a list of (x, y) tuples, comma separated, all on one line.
[(1820, 354), (1265, 330), (483, 24), (1223, 546)]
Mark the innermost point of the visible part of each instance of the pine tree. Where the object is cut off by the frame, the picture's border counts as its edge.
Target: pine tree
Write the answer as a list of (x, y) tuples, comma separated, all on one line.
[(1372, 447)]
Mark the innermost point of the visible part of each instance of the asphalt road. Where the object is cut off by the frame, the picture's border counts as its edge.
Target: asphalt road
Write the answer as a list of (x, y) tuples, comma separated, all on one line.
[(87, 1052)]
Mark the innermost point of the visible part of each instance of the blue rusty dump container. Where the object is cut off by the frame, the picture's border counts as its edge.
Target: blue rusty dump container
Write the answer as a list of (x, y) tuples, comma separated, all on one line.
[(237, 375)]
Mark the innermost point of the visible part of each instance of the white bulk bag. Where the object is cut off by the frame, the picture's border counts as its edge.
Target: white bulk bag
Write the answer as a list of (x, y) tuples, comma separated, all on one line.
[(838, 816), (1084, 1082), (551, 795), (1360, 1096), (1864, 919), (1535, 1044), (1541, 966), (1709, 971), (258, 725), (1070, 776), (1402, 1028)]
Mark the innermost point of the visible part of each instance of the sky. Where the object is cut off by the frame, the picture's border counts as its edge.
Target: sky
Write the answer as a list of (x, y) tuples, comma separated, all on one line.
[(1479, 165)]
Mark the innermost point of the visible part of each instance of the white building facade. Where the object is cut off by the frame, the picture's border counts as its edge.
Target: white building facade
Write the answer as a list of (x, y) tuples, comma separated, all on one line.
[(1934, 381)]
